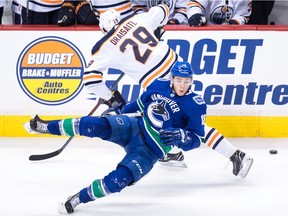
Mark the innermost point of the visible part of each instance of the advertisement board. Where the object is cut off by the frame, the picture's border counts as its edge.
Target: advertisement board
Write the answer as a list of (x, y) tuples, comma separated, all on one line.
[(241, 74)]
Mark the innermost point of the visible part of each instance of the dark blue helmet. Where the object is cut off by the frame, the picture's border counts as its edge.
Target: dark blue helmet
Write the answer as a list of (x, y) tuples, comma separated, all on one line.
[(182, 69)]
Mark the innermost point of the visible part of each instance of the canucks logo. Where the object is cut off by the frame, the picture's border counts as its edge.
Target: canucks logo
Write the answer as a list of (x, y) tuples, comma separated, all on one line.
[(50, 70), (158, 113)]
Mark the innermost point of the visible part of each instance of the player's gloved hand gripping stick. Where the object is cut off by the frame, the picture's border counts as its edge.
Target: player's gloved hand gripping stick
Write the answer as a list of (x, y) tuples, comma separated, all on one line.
[(57, 152)]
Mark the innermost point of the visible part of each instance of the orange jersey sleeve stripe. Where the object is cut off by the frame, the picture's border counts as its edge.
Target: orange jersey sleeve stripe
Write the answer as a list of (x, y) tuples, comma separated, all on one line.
[(194, 4), (92, 77), (156, 74), (165, 7)]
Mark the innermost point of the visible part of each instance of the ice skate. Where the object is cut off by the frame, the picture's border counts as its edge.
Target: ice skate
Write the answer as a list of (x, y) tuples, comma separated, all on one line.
[(36, 125), (174, 159), (241, 163), (70, 205)]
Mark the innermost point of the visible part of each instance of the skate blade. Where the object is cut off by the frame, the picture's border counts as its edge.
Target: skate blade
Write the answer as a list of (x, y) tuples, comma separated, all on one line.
[(180, 164), (62, 209), (28, 128), (247, 163)]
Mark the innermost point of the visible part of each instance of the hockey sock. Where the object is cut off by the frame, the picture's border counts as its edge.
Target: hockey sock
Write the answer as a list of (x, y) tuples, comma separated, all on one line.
[(112, 183), (53, 127), (85, 126), (69, 127), (65, 127), (215, 140)]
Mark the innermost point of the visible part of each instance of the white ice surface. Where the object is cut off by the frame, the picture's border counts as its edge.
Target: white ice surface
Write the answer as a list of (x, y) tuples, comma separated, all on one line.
[(205, 188)]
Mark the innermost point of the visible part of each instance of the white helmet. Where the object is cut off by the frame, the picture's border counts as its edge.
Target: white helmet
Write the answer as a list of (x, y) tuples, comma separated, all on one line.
[(108, 19)]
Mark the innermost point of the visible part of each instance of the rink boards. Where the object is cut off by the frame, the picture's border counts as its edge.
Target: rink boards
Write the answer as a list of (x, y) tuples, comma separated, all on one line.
[(239, 71)]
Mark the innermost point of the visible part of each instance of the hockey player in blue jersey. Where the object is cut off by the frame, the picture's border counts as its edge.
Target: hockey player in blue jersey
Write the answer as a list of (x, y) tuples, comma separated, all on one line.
[(157, 63), (165, 120)]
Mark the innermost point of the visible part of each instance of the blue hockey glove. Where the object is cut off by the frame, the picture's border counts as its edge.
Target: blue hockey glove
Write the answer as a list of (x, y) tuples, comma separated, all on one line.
[(174, 136), (197, 20), (181, 138)]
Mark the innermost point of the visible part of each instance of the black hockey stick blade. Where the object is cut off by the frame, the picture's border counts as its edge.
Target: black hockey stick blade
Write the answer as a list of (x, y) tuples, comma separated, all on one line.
[(51, 154)]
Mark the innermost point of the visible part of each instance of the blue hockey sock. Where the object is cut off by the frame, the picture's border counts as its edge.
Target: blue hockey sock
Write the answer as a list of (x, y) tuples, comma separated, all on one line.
[(112, 183), (66, 127), (86, 195), (53, 127)]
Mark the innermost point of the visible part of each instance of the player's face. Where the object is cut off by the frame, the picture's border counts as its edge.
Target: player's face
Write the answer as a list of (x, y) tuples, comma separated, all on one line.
[(181, 85)]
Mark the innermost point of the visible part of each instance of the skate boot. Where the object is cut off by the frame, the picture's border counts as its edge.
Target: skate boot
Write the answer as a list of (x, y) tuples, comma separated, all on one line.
[(69, 206), (174, 159), (241, 163), (37, 125)]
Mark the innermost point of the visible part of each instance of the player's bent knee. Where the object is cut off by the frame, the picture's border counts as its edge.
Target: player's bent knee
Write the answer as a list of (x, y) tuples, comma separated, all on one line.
[(138, 165), (118, 179)]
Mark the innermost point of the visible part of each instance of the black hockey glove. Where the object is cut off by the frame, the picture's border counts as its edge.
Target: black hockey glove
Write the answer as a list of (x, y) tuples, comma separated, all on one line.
[(115, 99), (197, 20), (159, 32), (86, 15), (115, 103), (173, 22), (175, 137), (66, 14)]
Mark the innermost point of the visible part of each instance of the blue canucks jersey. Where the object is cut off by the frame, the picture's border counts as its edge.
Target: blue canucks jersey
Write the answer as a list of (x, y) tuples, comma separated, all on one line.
[(163, 108)]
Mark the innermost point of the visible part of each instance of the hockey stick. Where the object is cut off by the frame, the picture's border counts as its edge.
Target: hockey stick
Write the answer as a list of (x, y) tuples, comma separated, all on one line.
[(57, 152)]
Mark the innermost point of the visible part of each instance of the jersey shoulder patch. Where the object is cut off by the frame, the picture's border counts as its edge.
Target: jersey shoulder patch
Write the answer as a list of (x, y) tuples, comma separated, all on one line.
[(198, 100)]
